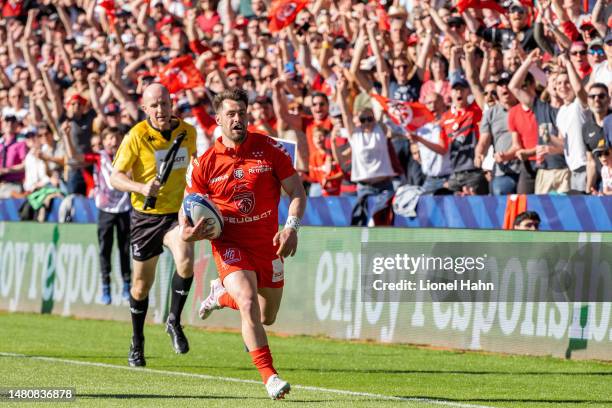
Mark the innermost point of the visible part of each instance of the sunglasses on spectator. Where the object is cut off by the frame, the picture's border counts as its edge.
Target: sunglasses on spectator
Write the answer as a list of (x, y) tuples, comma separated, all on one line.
[(492, 93), (598, 96), (602, 153), (597, 51), (578, 52), (366, 119)]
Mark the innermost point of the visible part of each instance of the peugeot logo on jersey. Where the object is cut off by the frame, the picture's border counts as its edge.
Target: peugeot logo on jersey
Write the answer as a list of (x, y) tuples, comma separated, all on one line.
[(238, 173)]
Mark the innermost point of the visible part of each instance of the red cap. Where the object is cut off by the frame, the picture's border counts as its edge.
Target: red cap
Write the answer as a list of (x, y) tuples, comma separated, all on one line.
[(232, 70), (241, 22), (78, 98), (413, 40), (163, 22)]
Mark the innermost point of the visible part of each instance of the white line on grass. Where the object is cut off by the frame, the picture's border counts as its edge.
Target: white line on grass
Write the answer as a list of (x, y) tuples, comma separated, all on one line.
[(243, 381)]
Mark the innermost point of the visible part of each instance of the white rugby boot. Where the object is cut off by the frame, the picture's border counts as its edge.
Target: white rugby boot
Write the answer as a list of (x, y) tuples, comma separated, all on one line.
[(277, 388), (211, 303)]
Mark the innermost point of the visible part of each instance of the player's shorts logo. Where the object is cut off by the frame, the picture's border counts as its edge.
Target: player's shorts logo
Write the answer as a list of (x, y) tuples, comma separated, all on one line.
[(244, 201), (231, 256), (238, 173), (278, 270)]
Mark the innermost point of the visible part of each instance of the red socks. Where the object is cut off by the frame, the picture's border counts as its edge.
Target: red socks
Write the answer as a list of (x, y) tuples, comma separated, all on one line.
[(261, 357), (225, 300), (263, 361)]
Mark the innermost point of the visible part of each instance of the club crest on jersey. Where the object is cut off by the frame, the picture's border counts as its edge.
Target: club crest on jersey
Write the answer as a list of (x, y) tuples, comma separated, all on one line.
[(244, 201), (238, 174)]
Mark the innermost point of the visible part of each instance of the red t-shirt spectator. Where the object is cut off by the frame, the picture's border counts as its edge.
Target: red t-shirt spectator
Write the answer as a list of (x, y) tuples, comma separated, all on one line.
[(206, 24), (523, 122), (325, 171)]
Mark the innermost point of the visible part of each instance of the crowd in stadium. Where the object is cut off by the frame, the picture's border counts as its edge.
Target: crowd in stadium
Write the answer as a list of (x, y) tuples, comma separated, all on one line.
[(467, 97)]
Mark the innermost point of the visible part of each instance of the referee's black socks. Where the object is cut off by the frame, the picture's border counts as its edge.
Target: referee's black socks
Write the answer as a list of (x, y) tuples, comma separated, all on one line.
[(138, 308), (180, 291)]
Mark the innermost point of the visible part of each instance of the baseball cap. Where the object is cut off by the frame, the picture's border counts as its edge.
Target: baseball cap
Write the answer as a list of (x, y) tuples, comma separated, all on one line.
[(516, 8), (601, 146), (455, 20), (79, 64), (231, 71), (413, 40), (460, 82), (112, 109), (340, 42), (596, 43), (504, 78)]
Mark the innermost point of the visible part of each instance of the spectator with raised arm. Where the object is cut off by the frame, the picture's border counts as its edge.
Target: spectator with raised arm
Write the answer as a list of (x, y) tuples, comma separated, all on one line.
[(535, 135), (593, 132)]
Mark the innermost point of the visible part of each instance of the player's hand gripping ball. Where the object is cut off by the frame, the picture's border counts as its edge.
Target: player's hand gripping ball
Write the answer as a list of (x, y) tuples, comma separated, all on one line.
[(197, 206)]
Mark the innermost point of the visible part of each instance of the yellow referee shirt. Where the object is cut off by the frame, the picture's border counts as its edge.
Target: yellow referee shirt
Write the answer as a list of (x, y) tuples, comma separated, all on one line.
[(141, 153)]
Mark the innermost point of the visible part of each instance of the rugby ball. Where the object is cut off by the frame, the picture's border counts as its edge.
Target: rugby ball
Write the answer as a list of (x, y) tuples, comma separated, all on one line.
[(197, 206)]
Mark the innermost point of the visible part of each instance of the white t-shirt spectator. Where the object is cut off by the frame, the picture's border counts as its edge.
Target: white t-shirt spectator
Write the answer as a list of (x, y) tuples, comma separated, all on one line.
[(602, 73), (370, 155), (606, 178), (35, 172), (432, 163), (570, 119)]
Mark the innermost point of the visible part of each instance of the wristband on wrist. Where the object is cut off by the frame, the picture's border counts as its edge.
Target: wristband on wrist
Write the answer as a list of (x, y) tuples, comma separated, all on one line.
[(293, 222)]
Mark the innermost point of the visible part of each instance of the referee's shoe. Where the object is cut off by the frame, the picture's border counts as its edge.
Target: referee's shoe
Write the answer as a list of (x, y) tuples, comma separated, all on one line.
[(179, 341), (136, 356)]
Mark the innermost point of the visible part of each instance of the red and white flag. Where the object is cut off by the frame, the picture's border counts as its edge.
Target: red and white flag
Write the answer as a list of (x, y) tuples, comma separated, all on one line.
[(283, 12), (181, 73), (411, 115)]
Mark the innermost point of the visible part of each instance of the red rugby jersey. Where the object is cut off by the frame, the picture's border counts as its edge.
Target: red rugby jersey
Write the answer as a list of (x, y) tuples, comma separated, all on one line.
[(244, 183)]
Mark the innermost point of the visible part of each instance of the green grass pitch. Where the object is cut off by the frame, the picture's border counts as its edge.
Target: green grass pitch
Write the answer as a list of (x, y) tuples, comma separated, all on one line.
[(91, 356)]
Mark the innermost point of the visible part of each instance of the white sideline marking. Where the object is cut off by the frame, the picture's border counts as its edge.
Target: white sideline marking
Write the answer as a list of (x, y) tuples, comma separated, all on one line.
[(243, 381)]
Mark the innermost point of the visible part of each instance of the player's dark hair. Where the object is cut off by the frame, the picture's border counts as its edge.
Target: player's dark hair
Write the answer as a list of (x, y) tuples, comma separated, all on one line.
[(234, 94), (526, 215)]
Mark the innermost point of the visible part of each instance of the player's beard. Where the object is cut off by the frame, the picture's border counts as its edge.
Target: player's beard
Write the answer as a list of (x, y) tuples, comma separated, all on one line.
[(237, 135)]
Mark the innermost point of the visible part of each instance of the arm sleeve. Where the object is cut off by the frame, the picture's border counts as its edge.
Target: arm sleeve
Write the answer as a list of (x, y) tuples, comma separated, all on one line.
[(485, 124), (127, 153), (194, 177), (281, 160)]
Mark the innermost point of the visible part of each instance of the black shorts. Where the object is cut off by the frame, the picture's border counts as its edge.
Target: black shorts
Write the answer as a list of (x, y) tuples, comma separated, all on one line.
[(148, 232)]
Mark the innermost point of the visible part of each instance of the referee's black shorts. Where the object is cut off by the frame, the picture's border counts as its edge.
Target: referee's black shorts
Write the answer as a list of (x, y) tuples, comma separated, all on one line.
[(148, 232)]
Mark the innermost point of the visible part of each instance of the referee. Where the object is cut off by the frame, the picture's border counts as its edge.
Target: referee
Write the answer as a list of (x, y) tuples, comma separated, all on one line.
[(134, 170)]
